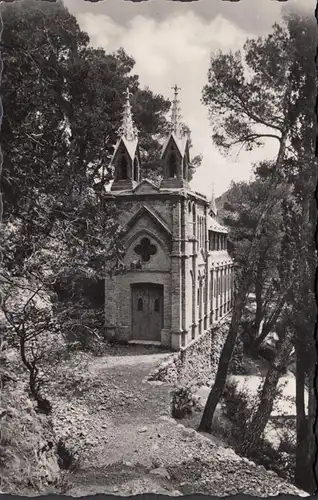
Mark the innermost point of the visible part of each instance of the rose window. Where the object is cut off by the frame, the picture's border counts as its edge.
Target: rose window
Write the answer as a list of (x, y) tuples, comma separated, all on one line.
[(145, 249)]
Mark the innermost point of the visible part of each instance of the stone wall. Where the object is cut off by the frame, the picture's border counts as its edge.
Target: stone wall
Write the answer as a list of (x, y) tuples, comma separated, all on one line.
[(196, 364)]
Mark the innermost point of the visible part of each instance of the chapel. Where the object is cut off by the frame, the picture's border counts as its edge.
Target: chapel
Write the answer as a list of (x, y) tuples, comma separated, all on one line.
[(173, 277)]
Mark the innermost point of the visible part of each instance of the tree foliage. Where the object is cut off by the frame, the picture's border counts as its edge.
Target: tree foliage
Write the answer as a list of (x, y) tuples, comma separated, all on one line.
[(267, 92), (63, 101)]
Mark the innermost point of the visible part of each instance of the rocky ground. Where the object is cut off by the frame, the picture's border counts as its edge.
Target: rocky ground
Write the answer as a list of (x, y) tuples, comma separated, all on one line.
[(118, 427)]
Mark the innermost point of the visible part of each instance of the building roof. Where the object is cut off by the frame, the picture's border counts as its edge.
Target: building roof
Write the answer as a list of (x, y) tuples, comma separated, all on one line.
[(131, 147), (213, 225), (180, 141)]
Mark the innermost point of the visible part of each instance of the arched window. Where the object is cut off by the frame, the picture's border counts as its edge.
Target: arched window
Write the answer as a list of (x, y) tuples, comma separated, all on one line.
[(185, 168), (123, 168), (172, 165), (135, 176), (203, 233), (156, 305), (140, 304)]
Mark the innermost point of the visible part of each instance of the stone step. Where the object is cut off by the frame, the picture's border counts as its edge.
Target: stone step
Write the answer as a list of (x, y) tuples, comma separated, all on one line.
[(145, 342)]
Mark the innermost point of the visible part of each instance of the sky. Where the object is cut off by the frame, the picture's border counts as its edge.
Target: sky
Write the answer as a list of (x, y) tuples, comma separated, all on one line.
[(171, 43)]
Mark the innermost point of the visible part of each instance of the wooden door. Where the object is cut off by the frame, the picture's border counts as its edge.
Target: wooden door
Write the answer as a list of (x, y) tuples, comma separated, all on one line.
[(147, 311)]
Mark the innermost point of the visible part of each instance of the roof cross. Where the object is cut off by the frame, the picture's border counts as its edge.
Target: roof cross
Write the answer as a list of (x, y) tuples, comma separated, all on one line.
[(176, 90)]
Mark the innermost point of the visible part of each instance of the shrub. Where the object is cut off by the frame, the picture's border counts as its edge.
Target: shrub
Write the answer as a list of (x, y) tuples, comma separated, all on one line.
[(66, 459), (221, 426), (239, 406), (236, 366), (88, 343), (82, 326), (287, 438), (267, 352), (182, 402), (276, 460), (240, 364)]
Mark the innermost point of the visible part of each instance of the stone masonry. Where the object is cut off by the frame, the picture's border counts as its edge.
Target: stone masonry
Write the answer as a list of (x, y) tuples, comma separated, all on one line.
[(173, 279)]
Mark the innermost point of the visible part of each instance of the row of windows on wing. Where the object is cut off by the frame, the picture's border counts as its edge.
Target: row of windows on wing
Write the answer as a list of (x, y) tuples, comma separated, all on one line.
[(217, 241), (218, 286), (173, 164)]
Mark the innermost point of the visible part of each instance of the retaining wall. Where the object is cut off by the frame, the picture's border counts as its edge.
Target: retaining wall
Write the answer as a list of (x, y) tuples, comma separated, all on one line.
[(196, 364)]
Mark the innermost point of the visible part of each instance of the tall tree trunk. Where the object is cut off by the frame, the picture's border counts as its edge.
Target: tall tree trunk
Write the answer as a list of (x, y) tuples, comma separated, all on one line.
[(269, 325), (312, 430), (305, 442), (301, 472), (259, 303), (260, 419), (240, 301), (226, 354)]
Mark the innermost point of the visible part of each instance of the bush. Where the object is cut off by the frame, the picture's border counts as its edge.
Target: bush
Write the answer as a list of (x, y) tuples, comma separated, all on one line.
[(239, 406), (267, 352), (182, 402), (89, 343), (221, 426), (287, 438), (236, 366), (66, 458), (276, 460)]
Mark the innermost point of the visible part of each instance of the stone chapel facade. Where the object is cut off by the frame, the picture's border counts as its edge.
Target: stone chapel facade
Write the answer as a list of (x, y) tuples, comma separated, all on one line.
[(178, 278)]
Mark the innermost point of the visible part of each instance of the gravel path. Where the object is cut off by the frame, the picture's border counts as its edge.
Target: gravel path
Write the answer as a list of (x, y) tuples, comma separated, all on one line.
[(118, 424)]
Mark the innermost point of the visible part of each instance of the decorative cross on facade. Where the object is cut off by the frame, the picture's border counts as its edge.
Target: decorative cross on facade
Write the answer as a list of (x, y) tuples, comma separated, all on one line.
[(145, 249)]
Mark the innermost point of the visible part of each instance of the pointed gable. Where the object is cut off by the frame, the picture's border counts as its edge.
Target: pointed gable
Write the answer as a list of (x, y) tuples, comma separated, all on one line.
[(154, 216), (146, 187), (130, 147), (181, 144)]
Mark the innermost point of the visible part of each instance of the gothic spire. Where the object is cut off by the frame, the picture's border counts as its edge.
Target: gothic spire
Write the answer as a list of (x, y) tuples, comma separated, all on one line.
[(127, 128), (212, 203), (175, 112), (177, 133)]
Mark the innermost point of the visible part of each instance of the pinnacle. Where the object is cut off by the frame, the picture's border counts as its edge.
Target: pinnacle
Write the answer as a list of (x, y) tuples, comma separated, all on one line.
[(127, 128)]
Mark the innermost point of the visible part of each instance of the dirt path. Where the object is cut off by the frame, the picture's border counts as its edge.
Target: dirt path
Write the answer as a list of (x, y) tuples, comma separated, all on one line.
[(119, 426), (114, 408)]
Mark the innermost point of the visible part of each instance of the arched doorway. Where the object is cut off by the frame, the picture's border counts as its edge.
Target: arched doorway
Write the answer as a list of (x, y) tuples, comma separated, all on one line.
[(147, 311)]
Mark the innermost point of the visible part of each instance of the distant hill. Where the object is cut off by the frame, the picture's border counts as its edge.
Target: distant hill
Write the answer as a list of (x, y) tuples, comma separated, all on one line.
[(220, 202)]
